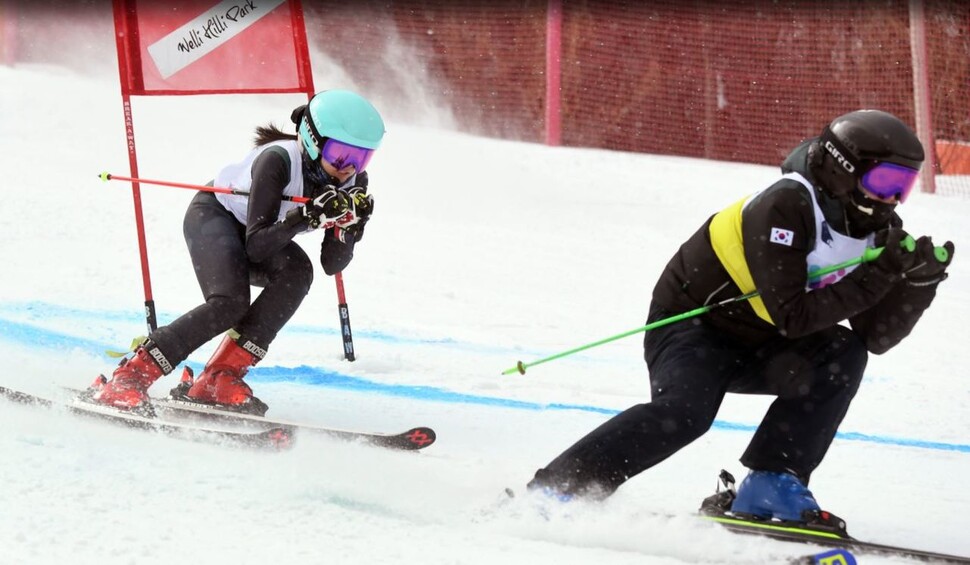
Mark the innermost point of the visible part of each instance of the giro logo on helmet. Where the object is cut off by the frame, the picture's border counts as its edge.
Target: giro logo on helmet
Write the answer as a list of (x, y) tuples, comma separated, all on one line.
[(849, 167), (311, 134)]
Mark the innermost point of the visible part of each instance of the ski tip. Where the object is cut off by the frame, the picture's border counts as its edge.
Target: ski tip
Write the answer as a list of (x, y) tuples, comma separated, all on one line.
[(278, 438), (830, 557), (421, 437), (411, 440)]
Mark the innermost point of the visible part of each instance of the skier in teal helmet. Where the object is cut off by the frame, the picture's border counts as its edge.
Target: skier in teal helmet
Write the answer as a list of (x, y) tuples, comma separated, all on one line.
[(236, 242)]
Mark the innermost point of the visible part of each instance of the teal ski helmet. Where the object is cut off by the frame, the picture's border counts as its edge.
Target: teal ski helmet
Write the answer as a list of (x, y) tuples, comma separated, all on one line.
[(341, 115)]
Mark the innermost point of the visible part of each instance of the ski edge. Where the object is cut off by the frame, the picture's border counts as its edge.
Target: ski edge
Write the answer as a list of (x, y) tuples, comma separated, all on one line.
[(827, 539), (275, 438), (415, 438)]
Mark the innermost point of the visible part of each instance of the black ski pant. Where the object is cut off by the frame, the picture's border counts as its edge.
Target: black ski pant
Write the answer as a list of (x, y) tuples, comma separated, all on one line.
[(217, 245), (692, 365)]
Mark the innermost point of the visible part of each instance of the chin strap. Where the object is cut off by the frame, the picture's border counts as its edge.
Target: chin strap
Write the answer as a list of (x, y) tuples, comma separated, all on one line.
[(862, 219), (863, 209)]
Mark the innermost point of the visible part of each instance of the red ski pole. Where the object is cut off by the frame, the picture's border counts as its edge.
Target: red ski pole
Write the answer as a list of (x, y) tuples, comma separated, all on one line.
[(346, 335), (200, 187)]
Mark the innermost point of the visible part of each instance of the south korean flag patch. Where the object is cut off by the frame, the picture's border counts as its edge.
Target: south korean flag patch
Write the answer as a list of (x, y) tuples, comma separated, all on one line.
[(781, 236)]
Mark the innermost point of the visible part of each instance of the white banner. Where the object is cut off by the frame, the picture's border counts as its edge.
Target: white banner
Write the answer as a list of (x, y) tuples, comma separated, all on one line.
[(205, 33)]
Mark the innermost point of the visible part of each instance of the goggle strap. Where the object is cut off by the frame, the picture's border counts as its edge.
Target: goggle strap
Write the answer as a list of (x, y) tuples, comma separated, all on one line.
[(317, 139), (848, 156)]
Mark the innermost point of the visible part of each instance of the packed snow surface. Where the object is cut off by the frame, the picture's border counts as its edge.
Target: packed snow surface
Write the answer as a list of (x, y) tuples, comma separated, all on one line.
[(480, 253)]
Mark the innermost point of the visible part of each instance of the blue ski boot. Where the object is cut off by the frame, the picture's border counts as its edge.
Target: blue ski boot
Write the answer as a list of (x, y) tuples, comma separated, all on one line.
[(767, 495)]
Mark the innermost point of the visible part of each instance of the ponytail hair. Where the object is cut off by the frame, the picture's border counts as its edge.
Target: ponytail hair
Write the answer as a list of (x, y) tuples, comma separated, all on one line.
[(270, 133)]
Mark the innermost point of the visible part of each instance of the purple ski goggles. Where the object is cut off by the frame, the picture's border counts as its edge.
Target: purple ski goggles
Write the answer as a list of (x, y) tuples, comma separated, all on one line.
[(888, 180), (341, 155)]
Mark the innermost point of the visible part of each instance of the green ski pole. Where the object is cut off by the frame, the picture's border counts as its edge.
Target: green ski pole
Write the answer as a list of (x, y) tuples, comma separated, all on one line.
[(870, 254)]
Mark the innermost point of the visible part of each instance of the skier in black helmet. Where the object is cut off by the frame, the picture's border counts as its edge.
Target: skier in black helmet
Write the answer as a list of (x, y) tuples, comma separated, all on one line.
[(837, 196)]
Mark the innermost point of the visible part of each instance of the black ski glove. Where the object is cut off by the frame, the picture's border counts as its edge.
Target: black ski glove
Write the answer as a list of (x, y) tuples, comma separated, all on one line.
[(929, 268), (328, 207), (895, 259), (362, 206), (363, 202)]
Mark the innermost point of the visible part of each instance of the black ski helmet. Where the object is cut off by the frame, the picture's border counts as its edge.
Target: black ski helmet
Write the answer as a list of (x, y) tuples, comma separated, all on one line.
[(852, 143)]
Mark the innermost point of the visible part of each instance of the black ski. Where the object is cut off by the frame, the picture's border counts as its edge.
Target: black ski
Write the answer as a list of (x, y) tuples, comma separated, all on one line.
[(823, 529), (413, 439), (803, 535), (840, 556), (276, 437)]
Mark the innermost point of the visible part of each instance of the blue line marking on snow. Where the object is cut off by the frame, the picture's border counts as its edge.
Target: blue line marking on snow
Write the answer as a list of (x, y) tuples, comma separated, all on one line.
[(35, 310), (40, 337), (37, 337), (317, 377)]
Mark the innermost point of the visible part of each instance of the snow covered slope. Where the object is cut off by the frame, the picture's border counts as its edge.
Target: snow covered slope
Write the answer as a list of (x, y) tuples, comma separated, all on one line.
[(481, 253)]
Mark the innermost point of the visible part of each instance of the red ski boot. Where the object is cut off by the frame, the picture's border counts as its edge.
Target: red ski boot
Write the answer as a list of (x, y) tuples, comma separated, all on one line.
[(221, 382), (128, 387)]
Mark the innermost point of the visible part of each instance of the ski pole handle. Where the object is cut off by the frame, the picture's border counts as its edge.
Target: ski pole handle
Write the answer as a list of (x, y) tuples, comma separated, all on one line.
[(940, 252), (870, 254), (873, 253)]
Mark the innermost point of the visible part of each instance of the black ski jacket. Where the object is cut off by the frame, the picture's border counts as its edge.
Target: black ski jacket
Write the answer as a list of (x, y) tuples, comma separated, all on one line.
[(266, 235), (881, 311)]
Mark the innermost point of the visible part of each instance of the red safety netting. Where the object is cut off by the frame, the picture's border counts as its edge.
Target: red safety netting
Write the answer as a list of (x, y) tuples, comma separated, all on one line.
[(740, 82)]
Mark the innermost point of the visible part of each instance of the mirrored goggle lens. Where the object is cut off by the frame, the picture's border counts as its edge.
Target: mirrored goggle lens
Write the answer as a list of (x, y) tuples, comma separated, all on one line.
[(886, 180), (340, 155)]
